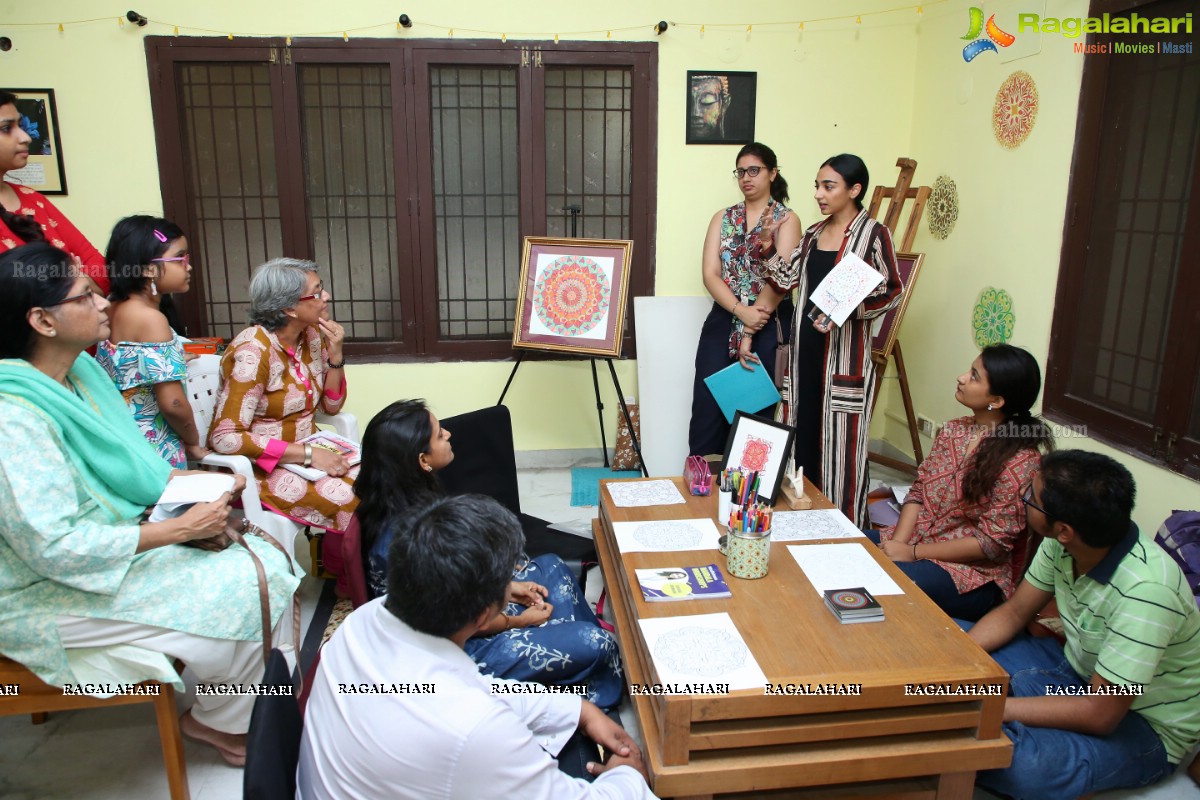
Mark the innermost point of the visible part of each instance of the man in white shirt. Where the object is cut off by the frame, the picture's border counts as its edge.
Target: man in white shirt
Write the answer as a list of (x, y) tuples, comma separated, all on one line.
[(398, 710)]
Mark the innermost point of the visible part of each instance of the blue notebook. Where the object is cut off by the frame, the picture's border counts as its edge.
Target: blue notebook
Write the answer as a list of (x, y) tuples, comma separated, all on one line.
[(736, 388)]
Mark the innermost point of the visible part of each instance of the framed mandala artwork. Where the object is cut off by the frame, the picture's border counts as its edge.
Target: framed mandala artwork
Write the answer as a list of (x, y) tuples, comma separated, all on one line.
[(759, 445), (572, 295)]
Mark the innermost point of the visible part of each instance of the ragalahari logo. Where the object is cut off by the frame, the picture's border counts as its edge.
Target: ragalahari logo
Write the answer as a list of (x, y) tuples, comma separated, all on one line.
[(979, 44)]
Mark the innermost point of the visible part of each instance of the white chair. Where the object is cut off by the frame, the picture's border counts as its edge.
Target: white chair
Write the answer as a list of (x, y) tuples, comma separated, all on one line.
[(204, 381)]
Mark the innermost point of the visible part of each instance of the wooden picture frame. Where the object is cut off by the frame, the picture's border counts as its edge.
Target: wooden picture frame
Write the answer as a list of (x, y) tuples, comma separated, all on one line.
[(884, 339), (44, 171), (766, 445), (572, 295), (720, 106)]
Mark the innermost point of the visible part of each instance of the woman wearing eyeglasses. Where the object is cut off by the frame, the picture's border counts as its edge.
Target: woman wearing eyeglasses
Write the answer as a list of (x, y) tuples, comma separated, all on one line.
[(961, 534), (276, 375), (147, 262), (745, 309), (547, 633), (27, 216)]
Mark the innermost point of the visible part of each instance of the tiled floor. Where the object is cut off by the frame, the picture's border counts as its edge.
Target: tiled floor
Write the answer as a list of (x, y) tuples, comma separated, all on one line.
[(113, 754)]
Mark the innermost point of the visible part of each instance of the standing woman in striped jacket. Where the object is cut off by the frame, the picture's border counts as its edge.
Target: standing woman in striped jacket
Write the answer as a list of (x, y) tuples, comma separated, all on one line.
[(833, 376)]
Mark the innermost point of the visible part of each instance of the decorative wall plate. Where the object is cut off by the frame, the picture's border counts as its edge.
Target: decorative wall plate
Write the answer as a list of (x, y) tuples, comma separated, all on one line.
[(993, 320), (942, 207), (1015, 110)]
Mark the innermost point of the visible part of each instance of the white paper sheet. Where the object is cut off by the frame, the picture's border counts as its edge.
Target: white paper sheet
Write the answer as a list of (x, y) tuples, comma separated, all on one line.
[(842, 566), (901, 492), (819, 523), (701, 648), (845, 287), (666, 535), (644, 493), (184, 491)]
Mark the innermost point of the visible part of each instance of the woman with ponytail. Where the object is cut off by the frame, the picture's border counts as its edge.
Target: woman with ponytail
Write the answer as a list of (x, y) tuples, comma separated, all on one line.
[(27, 216), (964, 516), (745, 307)]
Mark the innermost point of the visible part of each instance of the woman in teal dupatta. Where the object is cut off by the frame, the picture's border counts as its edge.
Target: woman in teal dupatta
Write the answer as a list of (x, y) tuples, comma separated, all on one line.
[(87, 587)]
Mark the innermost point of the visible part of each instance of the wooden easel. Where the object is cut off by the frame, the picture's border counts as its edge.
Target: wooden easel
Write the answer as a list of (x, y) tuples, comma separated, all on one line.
[(897, 197)]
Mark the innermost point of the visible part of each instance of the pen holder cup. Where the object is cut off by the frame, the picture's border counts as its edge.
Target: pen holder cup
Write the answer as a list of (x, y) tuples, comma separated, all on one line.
[(747, 553)]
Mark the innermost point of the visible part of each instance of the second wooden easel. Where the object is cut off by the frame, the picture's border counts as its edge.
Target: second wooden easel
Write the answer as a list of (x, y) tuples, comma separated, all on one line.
[(897, 196)]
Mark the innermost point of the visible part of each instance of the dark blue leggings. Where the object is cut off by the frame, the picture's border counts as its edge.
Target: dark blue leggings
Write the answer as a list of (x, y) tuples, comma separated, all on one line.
[(939, 586)]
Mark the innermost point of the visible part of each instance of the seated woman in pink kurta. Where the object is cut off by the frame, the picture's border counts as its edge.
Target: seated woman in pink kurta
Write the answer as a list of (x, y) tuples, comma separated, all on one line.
[(964, 515), (276, 375)]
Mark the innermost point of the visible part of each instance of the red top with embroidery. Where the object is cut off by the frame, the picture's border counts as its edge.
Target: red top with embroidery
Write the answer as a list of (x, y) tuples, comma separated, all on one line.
[(59, 232), (996, 524)]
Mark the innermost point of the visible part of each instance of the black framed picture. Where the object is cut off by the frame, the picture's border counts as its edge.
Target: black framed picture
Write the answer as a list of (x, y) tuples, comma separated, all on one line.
[(762, 446), (720, 106), (39, 118)]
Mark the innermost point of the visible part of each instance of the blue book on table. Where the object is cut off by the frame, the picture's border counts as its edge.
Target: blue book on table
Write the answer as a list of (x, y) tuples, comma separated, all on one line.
[(736, 388)]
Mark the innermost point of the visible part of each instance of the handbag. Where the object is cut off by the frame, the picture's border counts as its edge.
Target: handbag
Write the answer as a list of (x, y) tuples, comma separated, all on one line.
[(783, 354), (234, 535)]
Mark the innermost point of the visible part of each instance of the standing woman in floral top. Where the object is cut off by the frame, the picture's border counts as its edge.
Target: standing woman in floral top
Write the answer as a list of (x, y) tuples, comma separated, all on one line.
[(27, 216), (964, 517), (276, 374), (148, 260), (744, 305)]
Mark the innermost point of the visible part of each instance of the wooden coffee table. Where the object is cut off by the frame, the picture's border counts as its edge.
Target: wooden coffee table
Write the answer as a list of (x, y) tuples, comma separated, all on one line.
[(886, 742)]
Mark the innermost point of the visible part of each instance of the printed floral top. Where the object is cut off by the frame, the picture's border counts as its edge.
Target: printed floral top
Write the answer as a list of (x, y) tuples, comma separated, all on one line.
[(135, 368), (741, 268), (997, 524), (59, 232)]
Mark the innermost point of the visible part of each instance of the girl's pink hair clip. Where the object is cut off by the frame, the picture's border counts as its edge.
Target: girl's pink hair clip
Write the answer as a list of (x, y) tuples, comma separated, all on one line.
[(158, 235)]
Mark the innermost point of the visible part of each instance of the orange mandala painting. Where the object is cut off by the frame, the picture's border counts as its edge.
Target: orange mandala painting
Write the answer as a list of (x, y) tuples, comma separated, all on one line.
[(1015, 110)]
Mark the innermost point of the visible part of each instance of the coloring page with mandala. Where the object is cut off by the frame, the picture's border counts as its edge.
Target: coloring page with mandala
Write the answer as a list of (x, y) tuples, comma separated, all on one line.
[(821, 523), (701, 648), (847, 285), (762, 446), (836, 566), (572, 295), (629, 494), (666, 535)]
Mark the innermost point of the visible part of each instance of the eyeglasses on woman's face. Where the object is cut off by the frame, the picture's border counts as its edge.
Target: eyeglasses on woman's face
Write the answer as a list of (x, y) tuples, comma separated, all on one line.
[(90, 294), (741, 172), (315, 295)]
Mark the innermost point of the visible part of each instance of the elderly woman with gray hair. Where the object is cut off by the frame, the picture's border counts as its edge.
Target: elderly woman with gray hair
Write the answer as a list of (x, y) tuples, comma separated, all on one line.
[(277, 374)]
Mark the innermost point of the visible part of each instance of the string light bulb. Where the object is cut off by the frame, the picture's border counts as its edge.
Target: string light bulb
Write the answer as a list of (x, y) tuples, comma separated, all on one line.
[(504, 37), (920, 11), (749, 28), (858, 20), (120, 22), (288, 41), (702, 29), (556, 38), (802, 27), (176, 31), (60, 27), (452, 33), (231, 37)]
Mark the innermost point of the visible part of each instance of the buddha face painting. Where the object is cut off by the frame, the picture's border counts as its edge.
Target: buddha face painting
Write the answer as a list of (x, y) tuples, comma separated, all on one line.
[(710, 102)]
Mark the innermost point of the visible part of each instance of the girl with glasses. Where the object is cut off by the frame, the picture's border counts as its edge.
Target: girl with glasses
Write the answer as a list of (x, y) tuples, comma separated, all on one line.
[(27, 216), (148, 261), (961, 534), (547, 632), (747, 312)]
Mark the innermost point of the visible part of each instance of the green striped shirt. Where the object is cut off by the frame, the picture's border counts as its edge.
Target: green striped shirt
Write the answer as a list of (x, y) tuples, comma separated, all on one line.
[(1132, 620)]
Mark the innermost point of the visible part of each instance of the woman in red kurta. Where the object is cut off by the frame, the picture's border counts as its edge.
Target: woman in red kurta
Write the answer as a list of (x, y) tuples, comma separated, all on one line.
[(276, 375), (964, 518), (27, 216)]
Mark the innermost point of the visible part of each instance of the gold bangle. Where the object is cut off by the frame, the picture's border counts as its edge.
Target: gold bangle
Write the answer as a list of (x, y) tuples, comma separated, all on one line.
[(915, 552), (506, 619)]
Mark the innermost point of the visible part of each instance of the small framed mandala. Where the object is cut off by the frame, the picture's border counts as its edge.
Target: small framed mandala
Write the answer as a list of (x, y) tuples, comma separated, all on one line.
[(572, 295), (1015, 110)]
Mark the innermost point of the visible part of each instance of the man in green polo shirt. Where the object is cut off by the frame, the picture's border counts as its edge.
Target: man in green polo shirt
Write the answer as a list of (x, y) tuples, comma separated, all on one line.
[(1119, 706)]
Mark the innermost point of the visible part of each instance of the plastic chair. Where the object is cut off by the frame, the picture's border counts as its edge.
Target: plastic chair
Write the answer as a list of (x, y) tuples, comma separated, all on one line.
[(38, 698), (203, 384)]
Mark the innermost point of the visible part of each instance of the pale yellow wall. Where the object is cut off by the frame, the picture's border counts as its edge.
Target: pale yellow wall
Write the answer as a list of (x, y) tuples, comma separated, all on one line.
[(806, 111), (1010, 225)]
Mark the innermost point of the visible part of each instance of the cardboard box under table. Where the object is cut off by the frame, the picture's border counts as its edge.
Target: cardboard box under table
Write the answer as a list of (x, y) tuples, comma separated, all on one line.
[(913, 732)]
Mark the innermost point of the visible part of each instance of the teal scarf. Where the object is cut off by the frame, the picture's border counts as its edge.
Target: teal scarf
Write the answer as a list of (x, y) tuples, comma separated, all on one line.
[(119, 468)]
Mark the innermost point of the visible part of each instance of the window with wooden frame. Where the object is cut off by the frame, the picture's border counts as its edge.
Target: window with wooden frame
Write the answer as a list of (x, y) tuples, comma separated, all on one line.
[(1125, 345), (410, 171)]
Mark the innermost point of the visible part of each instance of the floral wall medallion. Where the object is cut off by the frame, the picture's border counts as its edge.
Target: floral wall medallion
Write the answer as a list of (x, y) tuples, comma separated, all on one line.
[(1015, 110), (993, 319), (942, 207)]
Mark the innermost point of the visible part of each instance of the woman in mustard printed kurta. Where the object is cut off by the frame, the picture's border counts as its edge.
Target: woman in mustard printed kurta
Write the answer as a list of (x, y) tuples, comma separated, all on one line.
[(276, 375)]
